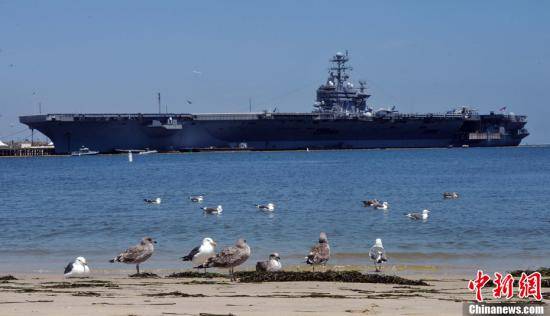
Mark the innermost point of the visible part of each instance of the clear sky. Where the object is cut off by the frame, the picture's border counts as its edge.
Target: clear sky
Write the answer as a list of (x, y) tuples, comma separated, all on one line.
[(421, 56)]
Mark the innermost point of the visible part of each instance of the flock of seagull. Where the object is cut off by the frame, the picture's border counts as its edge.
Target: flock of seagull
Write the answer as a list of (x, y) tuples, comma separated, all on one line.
[(414, 215), (204, 256)]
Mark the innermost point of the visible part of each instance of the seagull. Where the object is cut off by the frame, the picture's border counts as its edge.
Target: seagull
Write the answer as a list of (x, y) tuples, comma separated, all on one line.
[(138, 253), (229, 257), (202, 253), (152, 201), (368, 203), (196, 72), (320, 253), (77, 268), (267, 207), (418, 216), (378, 254), (196, 198), (381, 206), (213, 210), (273, 264), (189, 101), (450, 195)]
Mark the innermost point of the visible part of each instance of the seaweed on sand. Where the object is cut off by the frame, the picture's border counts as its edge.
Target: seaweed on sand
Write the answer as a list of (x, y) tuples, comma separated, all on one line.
[(328, 276), (174, 294), (7, 278), (189, 274), (144, 275), (85, 293), (78, 284), (545, 272)]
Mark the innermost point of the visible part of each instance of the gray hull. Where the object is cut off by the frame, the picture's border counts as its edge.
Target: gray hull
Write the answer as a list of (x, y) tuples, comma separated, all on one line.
[(177, 132)]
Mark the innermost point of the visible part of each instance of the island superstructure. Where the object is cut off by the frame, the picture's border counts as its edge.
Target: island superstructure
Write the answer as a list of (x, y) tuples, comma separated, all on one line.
[(341, 119)]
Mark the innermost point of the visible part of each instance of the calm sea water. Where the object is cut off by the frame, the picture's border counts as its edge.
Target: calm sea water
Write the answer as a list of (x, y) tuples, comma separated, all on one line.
[(54, 209)]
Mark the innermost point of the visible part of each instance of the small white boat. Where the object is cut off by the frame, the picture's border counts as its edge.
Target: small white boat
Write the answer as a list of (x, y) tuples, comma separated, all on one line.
[(84, 151)]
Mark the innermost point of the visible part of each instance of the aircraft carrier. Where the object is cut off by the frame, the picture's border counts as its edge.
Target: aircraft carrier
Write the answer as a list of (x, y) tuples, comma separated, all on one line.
[(340, 119)]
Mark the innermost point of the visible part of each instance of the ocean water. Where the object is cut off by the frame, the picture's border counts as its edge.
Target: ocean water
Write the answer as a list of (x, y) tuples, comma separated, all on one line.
[(53, 209)]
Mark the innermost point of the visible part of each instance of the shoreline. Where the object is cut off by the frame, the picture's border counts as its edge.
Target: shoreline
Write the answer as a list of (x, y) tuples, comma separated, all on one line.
[(233, 150)]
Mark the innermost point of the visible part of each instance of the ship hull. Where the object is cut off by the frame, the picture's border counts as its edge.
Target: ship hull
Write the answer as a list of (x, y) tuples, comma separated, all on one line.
[(178, 132)]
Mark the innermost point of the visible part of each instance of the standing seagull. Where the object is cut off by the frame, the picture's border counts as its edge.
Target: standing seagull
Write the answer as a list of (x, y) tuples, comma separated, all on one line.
[(213, 210), (378, 254), (320, 253), (196, 198), (229, 257), (202, 253), (271, 265), (138, 253), (418, 216), (266, 207), (77, 268)]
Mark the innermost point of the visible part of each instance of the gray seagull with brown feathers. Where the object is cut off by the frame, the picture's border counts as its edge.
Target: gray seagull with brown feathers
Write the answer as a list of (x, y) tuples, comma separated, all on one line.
[(320, 253), (229, 257), (137, 254)]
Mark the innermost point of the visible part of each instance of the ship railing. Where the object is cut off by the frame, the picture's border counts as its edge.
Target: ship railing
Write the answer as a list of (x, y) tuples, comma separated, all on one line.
[(109, 116), (429, 115), (227, 116)]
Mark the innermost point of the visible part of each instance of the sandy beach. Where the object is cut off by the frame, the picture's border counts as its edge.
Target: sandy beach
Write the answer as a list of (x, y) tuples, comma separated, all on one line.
[(113, 292)]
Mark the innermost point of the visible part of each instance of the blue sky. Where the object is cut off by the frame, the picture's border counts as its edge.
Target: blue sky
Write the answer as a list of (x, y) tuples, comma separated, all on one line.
[(421, 56)]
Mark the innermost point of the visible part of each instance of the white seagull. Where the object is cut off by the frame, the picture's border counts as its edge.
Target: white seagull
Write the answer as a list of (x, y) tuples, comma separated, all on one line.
[(152, 201), (266, 207), (77, 268), (196, 198), (381, 206), (378, 254), (213, 210), (418, 216), (200, 254)]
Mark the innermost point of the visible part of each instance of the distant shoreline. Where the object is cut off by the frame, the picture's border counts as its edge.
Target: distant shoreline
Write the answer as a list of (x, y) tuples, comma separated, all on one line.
[(220, 150)]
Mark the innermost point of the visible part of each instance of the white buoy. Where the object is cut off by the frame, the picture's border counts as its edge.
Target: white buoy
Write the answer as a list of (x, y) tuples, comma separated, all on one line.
[(130, 156)]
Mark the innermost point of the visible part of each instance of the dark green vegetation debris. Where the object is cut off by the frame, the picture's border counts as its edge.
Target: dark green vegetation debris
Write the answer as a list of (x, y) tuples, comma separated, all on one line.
[(144, 275), (85, 293), (328, 276), (188, 274), (545, 272), (78, 284), (7, 278), (175, 294)]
